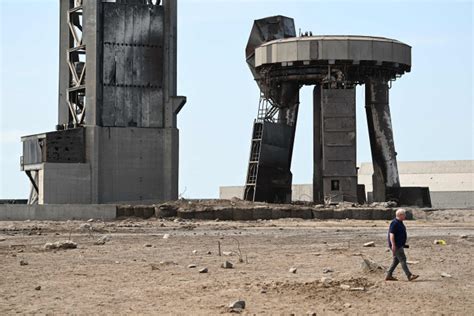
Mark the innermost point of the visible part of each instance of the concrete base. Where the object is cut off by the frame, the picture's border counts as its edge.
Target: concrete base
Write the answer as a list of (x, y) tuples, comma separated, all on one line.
[(121, 165), (56, 212), (267, 213), (62, 183)]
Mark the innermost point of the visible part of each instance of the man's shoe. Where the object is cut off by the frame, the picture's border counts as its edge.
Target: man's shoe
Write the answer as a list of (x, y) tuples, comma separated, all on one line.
[(390, 278), (413, 277)]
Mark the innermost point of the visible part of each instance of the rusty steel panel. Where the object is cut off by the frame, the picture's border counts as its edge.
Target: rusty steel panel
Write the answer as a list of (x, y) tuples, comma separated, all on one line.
[(133, 65)]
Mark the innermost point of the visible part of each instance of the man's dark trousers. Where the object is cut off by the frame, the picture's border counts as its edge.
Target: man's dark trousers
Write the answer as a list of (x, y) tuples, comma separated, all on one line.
[(399, 257)]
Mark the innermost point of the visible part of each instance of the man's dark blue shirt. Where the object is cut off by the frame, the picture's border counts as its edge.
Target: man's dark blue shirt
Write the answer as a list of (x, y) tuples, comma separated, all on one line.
[(398, 229)]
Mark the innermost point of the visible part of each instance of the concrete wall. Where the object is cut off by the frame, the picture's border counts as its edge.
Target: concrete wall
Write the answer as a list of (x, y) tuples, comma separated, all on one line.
[(61, 183), (56, 212), (137, 164)]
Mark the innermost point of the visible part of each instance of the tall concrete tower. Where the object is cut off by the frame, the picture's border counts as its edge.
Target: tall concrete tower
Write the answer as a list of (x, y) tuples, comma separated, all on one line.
[(117, 138)]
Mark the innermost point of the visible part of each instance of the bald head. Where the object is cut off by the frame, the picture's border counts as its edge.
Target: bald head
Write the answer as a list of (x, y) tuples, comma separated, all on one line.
[(401, 214)]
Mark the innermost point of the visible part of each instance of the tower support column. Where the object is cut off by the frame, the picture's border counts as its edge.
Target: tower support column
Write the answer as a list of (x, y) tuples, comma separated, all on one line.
[(385, 180)]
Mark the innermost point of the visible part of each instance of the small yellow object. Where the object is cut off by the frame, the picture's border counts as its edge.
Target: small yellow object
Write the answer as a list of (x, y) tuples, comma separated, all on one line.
[(440, 242)]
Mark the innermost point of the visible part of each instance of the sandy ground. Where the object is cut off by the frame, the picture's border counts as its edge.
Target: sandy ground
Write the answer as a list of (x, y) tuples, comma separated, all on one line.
[(140, 272)]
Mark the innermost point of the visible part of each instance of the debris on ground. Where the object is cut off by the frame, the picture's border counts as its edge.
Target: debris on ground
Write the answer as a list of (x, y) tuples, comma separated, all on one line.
[(23, 263), (462, 237), (192, 266), (354, 289), (345, 287), (237, 306), (446, 275), (440, 242), (102, 240), (154, 267), (326, 281), (203, 270), (67, 244), (327, 270), (168, 263), (38, 288), (147, 245), (166, 236), (227, 265), (292, 270), (227, 253), (413, 262), (369, 244), (369, 265), (86, 227)]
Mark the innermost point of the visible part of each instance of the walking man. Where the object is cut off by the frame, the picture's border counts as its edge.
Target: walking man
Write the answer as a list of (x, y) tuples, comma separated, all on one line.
[(397, 238)]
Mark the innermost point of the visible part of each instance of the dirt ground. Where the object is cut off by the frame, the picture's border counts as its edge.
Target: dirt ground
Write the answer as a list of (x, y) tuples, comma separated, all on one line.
[(138, 271)]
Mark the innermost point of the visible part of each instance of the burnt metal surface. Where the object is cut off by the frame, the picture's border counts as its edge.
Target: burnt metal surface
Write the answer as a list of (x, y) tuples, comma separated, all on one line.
[(66, 146), (132, 65), (281, 64), (269, 176), (118, 82), (415, 196), (386, 181)]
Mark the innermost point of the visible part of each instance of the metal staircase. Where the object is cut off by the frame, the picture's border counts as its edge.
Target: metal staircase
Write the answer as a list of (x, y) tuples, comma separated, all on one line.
[(267, 112)]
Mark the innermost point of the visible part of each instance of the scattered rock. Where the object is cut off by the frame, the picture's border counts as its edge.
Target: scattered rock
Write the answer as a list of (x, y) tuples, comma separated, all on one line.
[(237, 306), (38, 288), (195, 252), (327, 270), (413, 262), (178, 220), (154, 267), (345, 287), (292, 270), (90, 220), (370, 265), (209, 253), (369, 244), (355, 289), (326, 281), (102, 240), (446, 275), (227, 253), (166, 236), (168, 263), (68, 244), (148, 245), (2, 239), (203, 270), (462, 237), (311, 314), (23, 263), (347, 305), (85, 227), (227, 265), (192, 266)]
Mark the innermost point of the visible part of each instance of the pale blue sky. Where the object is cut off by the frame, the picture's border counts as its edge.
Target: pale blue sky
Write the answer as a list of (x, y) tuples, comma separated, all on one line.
[(432, 107)]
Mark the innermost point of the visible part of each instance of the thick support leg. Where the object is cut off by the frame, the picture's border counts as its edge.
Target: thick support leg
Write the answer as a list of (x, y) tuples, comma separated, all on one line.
[(386, 182), (335, 174), (269, 176), (318, 193)]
